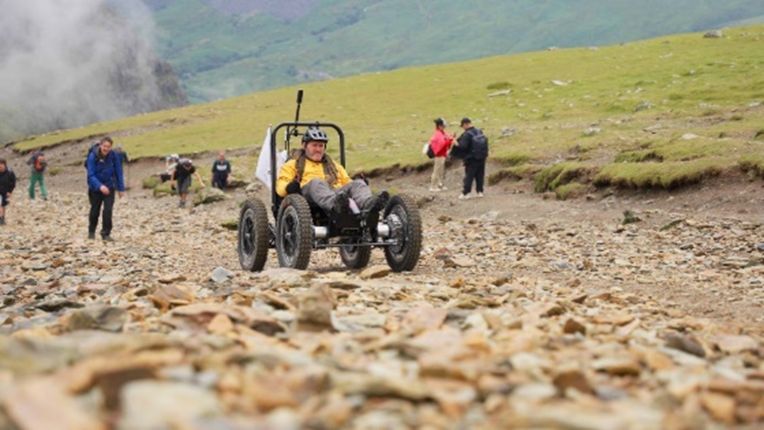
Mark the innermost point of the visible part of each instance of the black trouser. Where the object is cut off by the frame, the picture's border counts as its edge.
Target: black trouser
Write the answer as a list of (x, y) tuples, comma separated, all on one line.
[(219, 180), (473, 170), (96, 199)]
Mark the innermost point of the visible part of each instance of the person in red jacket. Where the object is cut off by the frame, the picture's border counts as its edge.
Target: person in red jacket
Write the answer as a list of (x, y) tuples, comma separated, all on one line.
[(440, 142)]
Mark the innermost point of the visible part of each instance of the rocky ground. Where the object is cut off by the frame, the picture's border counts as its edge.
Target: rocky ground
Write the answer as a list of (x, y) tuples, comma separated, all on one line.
[(522, 313)]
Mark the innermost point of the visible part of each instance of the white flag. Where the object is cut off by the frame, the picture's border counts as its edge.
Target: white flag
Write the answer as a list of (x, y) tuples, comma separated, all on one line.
[(263, 171)]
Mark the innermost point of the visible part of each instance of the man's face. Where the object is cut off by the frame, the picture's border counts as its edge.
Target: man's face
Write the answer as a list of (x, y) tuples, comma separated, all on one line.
[(2, 168), (221, 155), (105, 147), (466, 125), (315, 150)]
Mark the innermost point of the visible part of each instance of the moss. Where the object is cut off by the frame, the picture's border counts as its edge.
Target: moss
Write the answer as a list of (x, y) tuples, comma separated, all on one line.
[(53, 171), (559, 174), (513, 158), (571, 190), (753, 164), (150, 182), (666, 175), (638, 156), (499, 86)]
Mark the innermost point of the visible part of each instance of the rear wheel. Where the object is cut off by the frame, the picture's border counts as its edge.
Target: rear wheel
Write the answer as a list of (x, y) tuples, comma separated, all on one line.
[(253, 235), (294, 232), (402, 216), (355, 257)]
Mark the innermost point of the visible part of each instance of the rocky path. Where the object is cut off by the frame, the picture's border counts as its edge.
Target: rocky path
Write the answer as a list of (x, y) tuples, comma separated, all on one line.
[(532, 321)]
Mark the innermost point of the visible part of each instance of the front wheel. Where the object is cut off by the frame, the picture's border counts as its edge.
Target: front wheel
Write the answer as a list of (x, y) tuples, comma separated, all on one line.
[(253, 235), (294, 232), (402, 216)]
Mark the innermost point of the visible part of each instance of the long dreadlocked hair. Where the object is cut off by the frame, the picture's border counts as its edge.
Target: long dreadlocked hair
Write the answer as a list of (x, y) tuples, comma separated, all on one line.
[(330, 170)]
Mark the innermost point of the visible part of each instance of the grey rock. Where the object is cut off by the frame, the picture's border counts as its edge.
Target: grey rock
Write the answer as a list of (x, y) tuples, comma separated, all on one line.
[(713, 34), (220, 274), (97, 317)]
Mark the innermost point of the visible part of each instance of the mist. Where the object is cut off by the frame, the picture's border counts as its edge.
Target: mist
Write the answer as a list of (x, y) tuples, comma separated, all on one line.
[(69, 63)]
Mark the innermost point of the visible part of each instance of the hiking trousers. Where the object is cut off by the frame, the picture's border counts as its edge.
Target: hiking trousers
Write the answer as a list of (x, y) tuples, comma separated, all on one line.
[(34, 179), (320, 193), (474, 170), (438, 172), (96, 200)]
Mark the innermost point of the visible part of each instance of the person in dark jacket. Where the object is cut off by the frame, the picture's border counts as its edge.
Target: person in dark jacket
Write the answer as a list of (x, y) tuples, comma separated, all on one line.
[(182, 176), (104, 178), (473, 145), (221, 168), (7, 184)]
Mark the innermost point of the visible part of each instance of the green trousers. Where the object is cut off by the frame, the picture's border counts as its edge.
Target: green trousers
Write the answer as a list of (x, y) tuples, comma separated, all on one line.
[(35, 178)]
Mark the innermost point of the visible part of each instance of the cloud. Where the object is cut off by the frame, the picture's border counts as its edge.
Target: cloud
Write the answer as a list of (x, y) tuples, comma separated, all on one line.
[(70, 63)]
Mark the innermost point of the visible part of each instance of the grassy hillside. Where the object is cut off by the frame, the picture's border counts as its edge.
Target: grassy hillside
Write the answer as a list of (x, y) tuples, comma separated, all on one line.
[(627, 114), (222, 55)]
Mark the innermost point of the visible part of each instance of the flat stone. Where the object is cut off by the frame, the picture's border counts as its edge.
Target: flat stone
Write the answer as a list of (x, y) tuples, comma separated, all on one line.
[(685, 343), (375, 272), (220, 274)]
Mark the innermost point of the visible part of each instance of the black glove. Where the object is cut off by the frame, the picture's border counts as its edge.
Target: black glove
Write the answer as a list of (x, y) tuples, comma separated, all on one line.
[(293, 187)]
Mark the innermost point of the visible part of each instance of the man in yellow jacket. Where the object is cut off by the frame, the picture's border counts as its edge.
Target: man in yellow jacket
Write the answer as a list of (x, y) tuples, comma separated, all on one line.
[(324, 182)]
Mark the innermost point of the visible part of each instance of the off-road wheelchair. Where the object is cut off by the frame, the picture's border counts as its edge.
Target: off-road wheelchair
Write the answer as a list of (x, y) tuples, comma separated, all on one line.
[(300, 227)]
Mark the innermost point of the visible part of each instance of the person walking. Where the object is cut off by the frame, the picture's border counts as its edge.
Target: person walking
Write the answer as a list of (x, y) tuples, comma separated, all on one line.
[(182, 176), (7, 184), (104, 169), (38, 163), (440, 142), (221, 168), (473, 147)]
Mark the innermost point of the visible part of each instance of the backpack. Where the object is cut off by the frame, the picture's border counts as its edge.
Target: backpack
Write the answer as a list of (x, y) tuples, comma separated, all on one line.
[(430, 152), (92, 148), (479, 145)]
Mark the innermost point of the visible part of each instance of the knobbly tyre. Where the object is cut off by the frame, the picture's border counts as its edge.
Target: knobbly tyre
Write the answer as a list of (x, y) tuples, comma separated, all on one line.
[(299, 228)]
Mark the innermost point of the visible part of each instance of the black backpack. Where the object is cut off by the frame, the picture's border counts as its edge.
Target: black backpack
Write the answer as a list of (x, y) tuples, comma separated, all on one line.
[(479, 148), (430, 152), (92, 148)]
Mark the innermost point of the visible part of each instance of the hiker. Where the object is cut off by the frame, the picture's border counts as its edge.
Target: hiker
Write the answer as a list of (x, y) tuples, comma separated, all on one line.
[(221, 168), (324, 182), (104, 178), (7, 184), (182, 176), (440, 142), (473, 149), (38, 163)]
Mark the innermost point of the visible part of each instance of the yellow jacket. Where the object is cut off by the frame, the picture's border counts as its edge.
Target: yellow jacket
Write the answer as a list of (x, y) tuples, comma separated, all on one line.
[(313, 170)]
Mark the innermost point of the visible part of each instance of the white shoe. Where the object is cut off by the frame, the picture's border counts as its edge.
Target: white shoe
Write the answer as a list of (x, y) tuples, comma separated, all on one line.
[(464, 197), (434, 190), (480, 195)]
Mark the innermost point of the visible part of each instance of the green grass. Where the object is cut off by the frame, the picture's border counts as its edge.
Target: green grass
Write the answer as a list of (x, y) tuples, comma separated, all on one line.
[(220, 55), (666, 175), (556, 175), (387, 116), (571, 190), (753, 164)]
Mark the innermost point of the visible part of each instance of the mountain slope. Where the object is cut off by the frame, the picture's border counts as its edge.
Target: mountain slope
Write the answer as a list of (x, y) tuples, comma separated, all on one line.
[(661, 110), (223, 49)]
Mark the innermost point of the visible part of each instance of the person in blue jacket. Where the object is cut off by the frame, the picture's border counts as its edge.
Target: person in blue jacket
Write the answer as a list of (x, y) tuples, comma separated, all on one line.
[(104, 179)]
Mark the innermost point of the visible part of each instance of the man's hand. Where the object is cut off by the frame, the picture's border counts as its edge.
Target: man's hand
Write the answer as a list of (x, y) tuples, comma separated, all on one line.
[(104, 190), (293, 187)]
